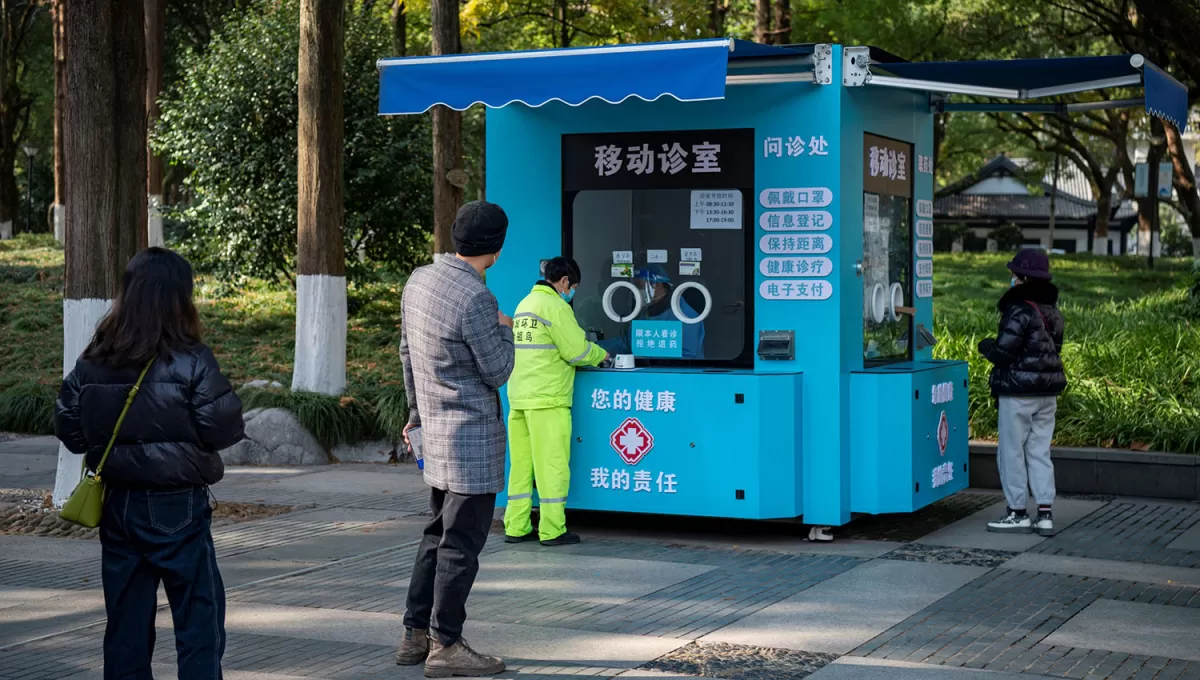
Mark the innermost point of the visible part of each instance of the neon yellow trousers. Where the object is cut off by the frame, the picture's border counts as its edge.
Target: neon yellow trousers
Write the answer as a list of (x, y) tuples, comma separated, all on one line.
[(539, 444)]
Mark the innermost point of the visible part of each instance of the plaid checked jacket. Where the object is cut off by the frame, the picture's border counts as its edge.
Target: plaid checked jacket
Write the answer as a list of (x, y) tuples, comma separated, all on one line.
[(456, 355)]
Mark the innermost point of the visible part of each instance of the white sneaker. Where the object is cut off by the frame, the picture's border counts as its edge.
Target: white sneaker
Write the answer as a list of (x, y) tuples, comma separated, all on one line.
[(820, 534), (1044, 524), (1011, 523)]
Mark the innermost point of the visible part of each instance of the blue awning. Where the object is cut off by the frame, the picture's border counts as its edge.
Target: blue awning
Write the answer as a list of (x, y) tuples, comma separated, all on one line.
[(1165, 97), (686, 70)]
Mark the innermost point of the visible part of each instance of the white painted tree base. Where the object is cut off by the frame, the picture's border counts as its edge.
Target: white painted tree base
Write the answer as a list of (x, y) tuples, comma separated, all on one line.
[(1196, 252), (320, 364), (956, 246), (1100, 245), (154, 222), (80, 318), (60, 221), (6, 230)]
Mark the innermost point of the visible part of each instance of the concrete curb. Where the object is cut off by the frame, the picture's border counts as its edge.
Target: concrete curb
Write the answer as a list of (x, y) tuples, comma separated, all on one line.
[(1116, 472)]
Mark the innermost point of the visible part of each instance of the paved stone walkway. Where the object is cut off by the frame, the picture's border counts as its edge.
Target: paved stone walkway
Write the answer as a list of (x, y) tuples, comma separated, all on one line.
[(319, 592)]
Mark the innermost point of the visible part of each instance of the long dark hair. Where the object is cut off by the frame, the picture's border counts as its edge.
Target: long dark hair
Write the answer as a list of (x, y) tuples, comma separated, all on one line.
[(152, 315)]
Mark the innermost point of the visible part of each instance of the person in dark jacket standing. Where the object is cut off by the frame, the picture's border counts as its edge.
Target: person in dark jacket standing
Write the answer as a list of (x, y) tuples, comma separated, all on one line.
[(456, 347), (1027, 377), (157, 518)]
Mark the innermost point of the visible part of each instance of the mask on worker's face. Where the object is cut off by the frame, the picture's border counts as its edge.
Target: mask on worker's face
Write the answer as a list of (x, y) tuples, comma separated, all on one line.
[(1012, 283), (647, 292), (568, 296)]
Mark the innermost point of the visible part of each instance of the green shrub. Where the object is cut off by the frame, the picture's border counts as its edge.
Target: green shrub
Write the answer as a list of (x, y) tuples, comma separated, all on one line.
[(334, 421), (232, 121), (28, 408)]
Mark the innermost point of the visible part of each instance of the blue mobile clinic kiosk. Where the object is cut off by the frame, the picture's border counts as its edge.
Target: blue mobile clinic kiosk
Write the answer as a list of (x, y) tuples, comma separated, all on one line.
[(754, 226)]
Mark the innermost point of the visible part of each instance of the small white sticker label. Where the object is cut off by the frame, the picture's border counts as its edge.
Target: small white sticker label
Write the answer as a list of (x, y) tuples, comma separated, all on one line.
[(924, 208), (795, 245), (925, 288), (622, 257), (795, 266), (924, 269), (716, 209), (798, 220), (925, 228), (656, 256), (689, 269), (924, 248), (690, 255), (795, 290), (811, 197)]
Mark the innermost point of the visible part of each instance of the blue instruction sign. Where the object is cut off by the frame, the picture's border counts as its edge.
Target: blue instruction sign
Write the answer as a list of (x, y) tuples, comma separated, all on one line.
[(657, 339)]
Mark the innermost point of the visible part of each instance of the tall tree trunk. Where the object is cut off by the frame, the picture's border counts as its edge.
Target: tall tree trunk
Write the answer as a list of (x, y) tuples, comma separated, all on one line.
[(9, 115), (447, 134), (60, 92), (762, 21), (400, 28), (104, 135), (1185, 185), (320, 364), (718, 10), (782, 33), (155, 18), (1148, 207)]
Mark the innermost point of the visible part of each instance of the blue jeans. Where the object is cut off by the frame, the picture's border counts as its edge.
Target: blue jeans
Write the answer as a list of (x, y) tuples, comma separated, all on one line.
[(150, 537)]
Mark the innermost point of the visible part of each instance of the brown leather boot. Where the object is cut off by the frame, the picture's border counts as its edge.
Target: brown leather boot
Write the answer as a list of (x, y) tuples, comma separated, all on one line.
[(459, 659), (414, 647)]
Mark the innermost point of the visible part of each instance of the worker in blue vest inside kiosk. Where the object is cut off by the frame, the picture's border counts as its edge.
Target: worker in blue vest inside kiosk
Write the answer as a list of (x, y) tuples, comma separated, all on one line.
[(656, 289)]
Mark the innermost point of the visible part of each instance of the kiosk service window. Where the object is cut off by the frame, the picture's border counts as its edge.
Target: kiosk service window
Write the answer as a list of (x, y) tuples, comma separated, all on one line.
[(661, 226), (887, 250)]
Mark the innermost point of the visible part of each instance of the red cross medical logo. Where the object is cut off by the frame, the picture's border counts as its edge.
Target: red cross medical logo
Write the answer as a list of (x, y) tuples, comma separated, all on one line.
[(943, 433), (632, 441)]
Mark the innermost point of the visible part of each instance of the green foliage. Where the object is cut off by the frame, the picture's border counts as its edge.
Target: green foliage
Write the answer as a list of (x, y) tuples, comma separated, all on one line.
[(1008, 237), (337, 420), (231, 119), (28, 408)]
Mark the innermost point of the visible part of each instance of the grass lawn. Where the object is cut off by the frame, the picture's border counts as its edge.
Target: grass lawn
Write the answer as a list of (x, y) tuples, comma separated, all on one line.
[(1132, 353)]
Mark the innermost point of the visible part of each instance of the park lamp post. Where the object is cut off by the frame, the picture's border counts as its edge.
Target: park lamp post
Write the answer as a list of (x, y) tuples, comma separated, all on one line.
[(30, 151)]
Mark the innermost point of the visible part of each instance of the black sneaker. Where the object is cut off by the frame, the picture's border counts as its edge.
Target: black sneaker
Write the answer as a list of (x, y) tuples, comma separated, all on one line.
[(531, 536), (1011, 523), (1044, 524), (566, 539)]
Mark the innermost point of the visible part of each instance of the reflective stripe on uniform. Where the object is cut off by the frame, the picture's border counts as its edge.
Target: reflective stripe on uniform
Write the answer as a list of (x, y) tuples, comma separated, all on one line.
[(531, 315), (554, 500), (520, 496), (583, 356), (521, 345)]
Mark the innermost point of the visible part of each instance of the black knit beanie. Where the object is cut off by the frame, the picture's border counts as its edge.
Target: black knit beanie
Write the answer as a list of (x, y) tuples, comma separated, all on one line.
[(479, 229)]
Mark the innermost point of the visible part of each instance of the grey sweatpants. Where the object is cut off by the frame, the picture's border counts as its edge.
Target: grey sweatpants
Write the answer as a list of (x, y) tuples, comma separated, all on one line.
[(1026, 428)]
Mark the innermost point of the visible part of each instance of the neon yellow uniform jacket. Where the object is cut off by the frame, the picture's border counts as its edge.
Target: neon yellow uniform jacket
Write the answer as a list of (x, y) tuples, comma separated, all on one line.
[(549, 345)]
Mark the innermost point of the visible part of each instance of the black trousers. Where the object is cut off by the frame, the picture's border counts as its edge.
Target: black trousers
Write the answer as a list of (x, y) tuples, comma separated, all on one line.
[(153, 537), (447, 563)]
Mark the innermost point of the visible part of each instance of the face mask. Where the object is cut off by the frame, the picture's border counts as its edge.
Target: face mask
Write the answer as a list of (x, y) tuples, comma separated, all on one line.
[(1012, 283), (568, 296), (648, 292)]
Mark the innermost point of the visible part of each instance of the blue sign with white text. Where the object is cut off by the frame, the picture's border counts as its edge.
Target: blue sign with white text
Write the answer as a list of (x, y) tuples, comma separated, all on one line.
[(662, 339)]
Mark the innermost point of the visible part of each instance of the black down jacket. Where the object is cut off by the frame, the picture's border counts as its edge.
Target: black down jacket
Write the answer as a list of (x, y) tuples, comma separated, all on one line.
[(184, 413), (1026, 352)]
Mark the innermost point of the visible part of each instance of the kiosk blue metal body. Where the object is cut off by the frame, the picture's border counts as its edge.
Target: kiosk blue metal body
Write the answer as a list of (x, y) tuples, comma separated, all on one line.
[(770, 197)]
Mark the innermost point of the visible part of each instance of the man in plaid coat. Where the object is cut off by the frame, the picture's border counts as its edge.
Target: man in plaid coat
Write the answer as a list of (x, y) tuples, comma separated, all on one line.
[(457, 350)]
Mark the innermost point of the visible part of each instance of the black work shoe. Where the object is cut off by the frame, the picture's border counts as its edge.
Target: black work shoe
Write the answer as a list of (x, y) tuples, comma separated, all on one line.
[(460, 660), (531, 536), (566, 539)]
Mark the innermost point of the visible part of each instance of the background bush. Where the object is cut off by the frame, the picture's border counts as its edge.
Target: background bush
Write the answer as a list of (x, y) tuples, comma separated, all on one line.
[(231, 121)]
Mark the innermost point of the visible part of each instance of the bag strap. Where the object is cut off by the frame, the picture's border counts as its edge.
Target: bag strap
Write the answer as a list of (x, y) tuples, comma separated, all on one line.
[(1036, 308), (128, 401)]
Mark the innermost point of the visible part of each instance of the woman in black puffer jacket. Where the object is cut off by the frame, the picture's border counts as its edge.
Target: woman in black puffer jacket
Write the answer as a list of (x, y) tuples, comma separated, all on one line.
[(157, 518), (1027, 377)]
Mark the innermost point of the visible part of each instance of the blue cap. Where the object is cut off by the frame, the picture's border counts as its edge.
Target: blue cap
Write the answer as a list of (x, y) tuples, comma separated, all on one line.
[(652, 273)]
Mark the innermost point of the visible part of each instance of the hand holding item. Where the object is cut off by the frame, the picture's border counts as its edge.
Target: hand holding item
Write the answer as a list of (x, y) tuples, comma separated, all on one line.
[(986, 345), (407, 443), (505, 320)]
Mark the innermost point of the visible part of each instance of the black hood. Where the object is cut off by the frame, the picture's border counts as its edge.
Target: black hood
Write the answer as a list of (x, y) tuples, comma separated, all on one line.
[(1041, 292)]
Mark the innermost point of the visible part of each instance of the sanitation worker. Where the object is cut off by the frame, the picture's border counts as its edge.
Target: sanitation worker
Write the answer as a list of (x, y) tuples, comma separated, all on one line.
[(549, 346)]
